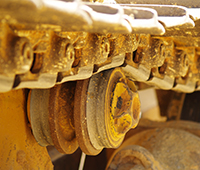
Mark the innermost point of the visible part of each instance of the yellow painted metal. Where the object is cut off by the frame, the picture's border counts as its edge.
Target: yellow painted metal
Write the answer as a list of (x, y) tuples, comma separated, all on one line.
[(136, 111), (121, 101), (123, 106), (18, 148)]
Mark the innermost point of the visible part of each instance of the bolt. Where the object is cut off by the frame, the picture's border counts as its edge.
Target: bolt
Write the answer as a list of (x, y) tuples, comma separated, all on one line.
[(24, 55), (125, 114), (26, 52), (185, 59), (136, 41), (182, 62), (162, 49), (105, 48), (69, 52)]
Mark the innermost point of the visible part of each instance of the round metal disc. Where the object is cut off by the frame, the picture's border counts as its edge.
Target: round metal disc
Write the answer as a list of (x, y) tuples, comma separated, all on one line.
[(100, 126), (61, 117), (81, 120), (39, 102)]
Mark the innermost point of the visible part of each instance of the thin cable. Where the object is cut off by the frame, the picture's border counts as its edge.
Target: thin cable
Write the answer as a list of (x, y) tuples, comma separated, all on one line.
[(82, 161)]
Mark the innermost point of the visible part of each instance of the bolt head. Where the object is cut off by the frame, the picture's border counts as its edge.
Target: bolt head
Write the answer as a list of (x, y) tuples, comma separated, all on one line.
[(125, 108)]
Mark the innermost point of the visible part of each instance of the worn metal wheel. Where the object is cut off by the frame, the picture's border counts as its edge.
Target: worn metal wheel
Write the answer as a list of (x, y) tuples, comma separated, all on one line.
[(38, 108), (108, 107), (61, 118), (80, 120), (51, 116)]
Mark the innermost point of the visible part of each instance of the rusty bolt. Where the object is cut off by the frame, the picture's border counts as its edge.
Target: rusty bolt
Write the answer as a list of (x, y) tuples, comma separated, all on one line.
[(69, 52), (67, 55), (135, 41), (181, 62), (104, 48), (24, 53), (125, 107)]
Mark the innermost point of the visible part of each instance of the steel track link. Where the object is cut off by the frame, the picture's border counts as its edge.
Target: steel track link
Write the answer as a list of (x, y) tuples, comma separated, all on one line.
[(52, 42)]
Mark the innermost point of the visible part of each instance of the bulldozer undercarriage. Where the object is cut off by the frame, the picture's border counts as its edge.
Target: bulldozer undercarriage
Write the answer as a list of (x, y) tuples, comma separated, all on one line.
[(69, 74)]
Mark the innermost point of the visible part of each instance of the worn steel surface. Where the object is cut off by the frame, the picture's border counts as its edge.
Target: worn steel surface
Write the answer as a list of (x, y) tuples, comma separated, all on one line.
[(190, 4), (18, 147), (81, 120), (166, 147), (110, 100), (63, 41), (61, 117), (108, 107), (189, 126), (166, 54), (52, 117), (95, 113), (38, 116)]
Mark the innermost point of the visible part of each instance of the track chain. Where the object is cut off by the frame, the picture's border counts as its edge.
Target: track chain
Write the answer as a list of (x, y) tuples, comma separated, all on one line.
[(47, 42)]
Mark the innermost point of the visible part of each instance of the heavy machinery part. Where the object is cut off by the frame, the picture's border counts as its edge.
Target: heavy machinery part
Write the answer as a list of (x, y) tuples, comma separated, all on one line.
[(190, 105), (84, 17), (18, 147), (81, 120), (181, 149), (170, 16), (51, 117), (172, 107), (148, 24), (52, 113), (175, 106), (90, 16), (61, 55), (61, 117), (109, 107), (37, 110), (110, 101), (16, 55), (189, 4), (48, 52), (135, 158), (189, 126)]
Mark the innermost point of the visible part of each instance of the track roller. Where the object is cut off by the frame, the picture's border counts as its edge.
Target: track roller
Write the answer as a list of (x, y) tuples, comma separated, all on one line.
[(94, 113), (51, 116), (107, 106)]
